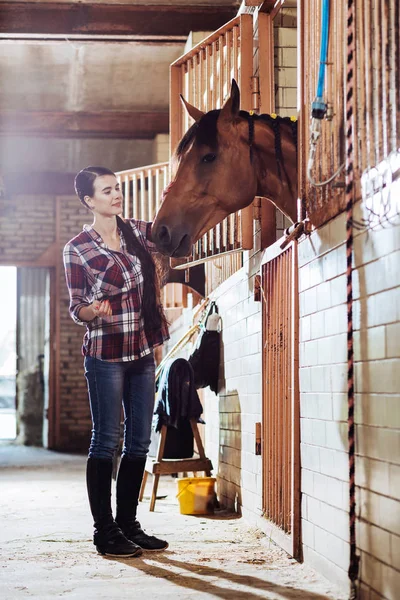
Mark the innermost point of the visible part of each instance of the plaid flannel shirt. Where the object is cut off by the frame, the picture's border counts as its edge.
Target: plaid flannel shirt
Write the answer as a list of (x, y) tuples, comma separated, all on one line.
[(94, 272)]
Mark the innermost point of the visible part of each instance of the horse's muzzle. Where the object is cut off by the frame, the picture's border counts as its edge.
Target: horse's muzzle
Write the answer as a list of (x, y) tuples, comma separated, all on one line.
[(172, 242)]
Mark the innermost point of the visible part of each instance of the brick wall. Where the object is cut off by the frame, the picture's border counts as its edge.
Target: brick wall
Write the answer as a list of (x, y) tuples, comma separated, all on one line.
[(323, 383), (28, 228), (75, 420), (27, 225)]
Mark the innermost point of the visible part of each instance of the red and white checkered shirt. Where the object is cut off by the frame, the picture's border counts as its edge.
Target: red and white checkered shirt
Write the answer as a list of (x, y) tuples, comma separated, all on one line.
[(94, 272)]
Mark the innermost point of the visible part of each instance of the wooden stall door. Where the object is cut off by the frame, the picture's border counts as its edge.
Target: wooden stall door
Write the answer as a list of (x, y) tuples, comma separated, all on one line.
[(280, 426)]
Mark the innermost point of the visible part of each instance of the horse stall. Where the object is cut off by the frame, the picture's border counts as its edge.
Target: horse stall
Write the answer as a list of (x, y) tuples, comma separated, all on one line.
[(304, 431)]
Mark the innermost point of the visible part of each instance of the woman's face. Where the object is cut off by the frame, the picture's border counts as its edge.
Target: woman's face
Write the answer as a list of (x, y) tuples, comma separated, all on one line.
[(107, 197)]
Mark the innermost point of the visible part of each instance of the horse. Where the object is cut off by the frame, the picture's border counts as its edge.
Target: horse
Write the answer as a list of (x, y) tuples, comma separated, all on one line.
[(225, 159)]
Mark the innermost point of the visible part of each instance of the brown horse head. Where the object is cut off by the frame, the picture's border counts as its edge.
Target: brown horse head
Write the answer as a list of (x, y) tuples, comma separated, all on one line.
[(225, 159)]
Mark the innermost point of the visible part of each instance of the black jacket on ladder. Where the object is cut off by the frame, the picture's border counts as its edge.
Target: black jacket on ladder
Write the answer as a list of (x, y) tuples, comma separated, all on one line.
[(177, 397)]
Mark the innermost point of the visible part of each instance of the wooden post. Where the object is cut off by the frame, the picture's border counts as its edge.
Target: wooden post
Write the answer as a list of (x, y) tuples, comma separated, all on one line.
[(175, 108), (267, 106), (127, 199), (246, 73)]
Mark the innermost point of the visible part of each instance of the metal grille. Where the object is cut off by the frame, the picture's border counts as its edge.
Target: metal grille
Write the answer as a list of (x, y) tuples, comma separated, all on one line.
[(377, 96), (325, 202), (281, 444), (203, 76)]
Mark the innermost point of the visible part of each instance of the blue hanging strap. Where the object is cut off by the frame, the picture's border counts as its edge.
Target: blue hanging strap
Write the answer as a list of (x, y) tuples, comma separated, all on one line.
[(318, 107)]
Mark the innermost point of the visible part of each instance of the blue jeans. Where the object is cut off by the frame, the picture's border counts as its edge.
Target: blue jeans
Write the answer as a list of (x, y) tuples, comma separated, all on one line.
[(109, 384)]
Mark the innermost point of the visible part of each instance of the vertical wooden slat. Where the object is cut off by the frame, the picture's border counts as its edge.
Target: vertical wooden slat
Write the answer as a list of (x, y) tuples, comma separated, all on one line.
[(246, 72), (220, 71), (385, 69), (159, 188), (288, 388), (267, 106), (266, 63), (393, 49), (376, 68), (295, 406), (127, 198), (142, 196), (396, 61), (368, 86), (135, 198), (278, 398), (230, 57), (273, 394), (151, 205), (175, 108), (285, 423), (236, 53)]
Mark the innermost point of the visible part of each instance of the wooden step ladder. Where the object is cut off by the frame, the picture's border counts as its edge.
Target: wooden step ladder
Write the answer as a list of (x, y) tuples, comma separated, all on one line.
[(160, 466)]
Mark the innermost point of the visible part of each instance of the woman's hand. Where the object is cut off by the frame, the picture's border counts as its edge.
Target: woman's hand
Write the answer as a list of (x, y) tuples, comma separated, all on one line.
[(101, 309)]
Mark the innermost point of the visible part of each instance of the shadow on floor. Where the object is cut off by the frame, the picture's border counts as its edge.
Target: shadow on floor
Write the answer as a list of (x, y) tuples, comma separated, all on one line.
[(195, 583)]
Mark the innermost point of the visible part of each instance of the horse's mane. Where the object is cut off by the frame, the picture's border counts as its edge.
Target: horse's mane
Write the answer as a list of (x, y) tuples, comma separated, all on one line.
[(204, 131)]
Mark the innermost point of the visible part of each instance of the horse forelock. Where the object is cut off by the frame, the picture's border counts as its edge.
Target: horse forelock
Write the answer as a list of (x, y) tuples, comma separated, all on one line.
[(204, 132)]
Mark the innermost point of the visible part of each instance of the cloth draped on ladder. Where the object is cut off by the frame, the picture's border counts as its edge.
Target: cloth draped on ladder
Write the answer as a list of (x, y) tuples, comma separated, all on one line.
[(177, 397)]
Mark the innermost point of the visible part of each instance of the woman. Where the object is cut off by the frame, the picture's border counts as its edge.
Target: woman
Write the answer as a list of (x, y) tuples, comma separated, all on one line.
[(113, 288)]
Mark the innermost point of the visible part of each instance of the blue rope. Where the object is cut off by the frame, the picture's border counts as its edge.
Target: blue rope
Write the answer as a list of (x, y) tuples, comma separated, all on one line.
[(319, 106)]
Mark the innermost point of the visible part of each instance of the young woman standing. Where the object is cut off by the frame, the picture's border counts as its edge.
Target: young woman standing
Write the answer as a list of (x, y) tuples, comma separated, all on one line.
[(114, 292)]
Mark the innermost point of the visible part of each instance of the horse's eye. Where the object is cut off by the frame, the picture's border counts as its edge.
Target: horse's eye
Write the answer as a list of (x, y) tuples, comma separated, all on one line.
[(208, 158)]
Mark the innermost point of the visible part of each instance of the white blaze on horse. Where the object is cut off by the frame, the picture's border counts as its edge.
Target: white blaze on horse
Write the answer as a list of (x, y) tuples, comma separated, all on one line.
[(226, 158)]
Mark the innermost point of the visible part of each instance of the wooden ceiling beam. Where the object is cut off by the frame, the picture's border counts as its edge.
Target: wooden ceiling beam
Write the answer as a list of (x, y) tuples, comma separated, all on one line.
[(105, 124), (110, 19)]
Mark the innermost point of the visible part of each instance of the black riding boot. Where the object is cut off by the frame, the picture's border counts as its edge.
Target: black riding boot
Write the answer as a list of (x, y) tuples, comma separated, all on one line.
[(108, 538), (129, 481)]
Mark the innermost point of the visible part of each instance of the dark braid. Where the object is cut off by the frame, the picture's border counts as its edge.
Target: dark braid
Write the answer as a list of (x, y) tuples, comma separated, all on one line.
[(275, 122), (152, 311), (293, 127)]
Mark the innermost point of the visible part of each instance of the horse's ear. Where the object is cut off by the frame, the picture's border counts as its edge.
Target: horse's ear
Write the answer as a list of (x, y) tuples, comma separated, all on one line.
[(194, 112), (231, 108)]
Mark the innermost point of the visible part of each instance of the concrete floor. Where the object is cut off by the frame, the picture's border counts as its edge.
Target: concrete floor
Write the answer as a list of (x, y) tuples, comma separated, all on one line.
[(46, 550)]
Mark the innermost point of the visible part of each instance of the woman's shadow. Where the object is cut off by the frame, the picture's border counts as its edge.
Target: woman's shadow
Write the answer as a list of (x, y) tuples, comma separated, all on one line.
[(265, 589)]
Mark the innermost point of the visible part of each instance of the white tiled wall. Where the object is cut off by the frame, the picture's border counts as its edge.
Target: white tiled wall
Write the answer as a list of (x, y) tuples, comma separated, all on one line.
[(285, 73), (285, 59), (323, 385), (231, 417)]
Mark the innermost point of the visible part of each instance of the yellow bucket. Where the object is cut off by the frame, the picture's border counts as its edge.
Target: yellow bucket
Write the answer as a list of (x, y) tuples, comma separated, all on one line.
[(196, 495)]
